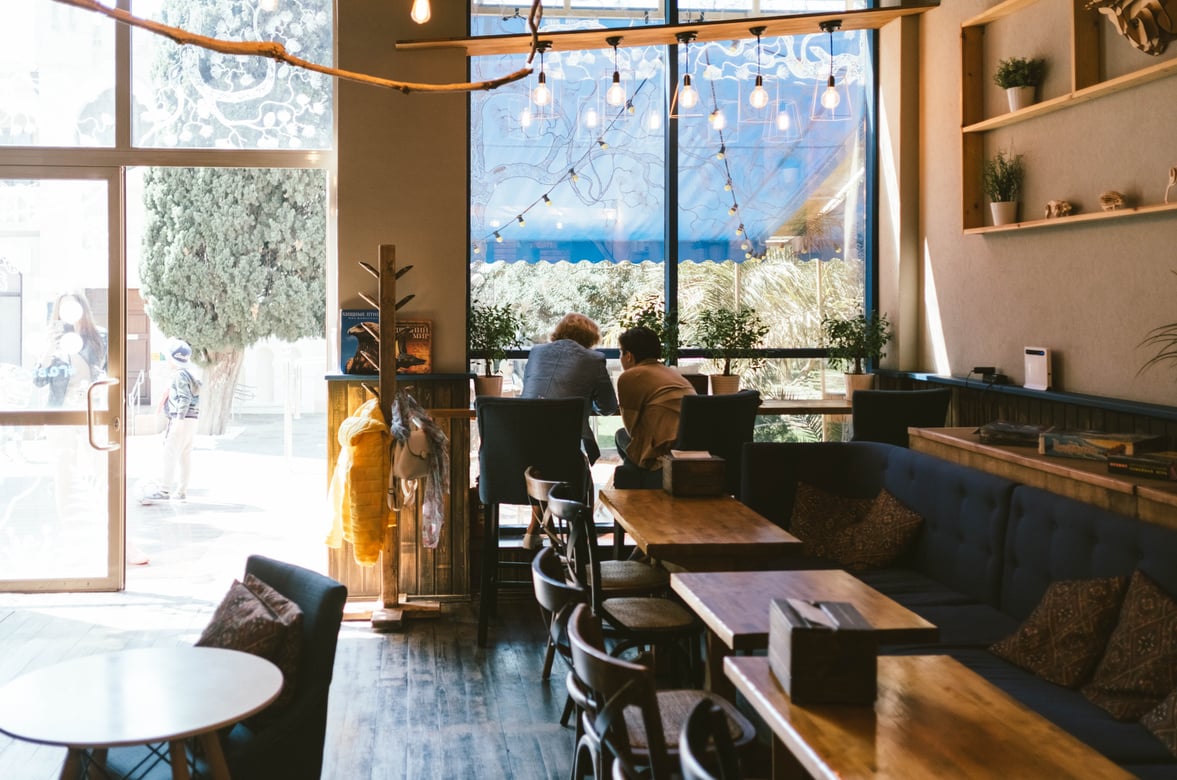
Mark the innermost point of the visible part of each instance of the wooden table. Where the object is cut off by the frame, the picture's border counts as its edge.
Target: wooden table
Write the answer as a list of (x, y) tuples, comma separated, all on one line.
[(138, 697), (735, 607), (698, 534), (786, 406), (933, 718)]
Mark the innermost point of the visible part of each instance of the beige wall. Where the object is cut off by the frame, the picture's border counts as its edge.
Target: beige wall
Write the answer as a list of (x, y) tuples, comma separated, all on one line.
[(1089, 292)]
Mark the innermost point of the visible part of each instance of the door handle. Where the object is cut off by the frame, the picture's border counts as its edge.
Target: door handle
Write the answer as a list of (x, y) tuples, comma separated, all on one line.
[(115, 422)]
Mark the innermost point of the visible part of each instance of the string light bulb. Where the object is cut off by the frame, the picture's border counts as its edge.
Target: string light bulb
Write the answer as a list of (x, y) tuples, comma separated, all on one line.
[(601, 143), (717, 119), (475, 248), (498, 237), (735, 207), (758, 98), (541, 95), (573, 175), (421, 11), (727, 186), (547, 200), (740, 230), (722, 152), (522, 222), (616, 94), (830, 98)]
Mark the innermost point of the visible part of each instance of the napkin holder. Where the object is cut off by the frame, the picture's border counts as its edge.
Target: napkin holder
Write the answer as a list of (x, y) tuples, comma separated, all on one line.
[(692, 473), (822, 652)]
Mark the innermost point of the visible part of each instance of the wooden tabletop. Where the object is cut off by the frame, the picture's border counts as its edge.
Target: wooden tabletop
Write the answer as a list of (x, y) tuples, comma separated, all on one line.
[(735, 604), (700, 534), (837, 405), (134, 697), (933, 718)]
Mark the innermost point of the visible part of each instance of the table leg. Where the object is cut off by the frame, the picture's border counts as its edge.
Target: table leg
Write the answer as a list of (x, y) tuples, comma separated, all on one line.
[(717, 682), (178, 754), (785, 765), (72, 766), (217, 766)]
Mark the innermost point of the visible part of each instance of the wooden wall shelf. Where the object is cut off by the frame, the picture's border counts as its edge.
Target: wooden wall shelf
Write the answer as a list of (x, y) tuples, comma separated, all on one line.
[(1094, 216)]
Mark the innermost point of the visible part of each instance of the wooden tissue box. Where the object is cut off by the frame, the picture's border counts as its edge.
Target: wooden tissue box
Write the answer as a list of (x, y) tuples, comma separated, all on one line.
[(690, 473), (822, 652)]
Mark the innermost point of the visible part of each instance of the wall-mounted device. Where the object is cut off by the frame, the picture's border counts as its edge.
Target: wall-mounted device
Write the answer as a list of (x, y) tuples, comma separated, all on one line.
[(1037, 368)]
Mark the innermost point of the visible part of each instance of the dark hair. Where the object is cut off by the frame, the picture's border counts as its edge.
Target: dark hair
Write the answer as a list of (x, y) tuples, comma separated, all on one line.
[(642, 343)]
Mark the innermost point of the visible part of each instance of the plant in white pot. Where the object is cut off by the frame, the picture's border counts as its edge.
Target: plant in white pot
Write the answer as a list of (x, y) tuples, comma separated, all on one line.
[(852, 341), (1002, 178), (729, 335), (1019, 77), (490, 331)]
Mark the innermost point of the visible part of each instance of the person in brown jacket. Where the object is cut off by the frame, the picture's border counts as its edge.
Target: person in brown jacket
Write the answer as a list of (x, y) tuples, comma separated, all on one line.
[(649, 394)]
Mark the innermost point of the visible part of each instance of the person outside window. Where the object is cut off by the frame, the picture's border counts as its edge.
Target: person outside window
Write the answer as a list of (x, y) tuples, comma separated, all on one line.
[(568, 367), (182, 407), (650, 394)]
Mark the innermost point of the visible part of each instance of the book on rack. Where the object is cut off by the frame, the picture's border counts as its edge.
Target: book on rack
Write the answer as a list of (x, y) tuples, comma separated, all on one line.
[(1154, 465), (1096, 445), (1012, 434), (359, 343)]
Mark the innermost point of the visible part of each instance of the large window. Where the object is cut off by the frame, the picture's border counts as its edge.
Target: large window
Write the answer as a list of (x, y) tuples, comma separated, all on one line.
[(579, 204)]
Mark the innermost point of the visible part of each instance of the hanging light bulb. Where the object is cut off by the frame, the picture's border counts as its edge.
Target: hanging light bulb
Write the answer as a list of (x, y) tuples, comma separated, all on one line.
[(525, 117), (498, 237), (722, 152), (735, 207), (522, 222), (421, 11), (591, 118), (740, 230), (830, 98), (717, 119), (572, 174), (727, 186), (616, 94), (782, 121), (541, 95), (601, 143), (547, 200), (687, 96), (758, 98)]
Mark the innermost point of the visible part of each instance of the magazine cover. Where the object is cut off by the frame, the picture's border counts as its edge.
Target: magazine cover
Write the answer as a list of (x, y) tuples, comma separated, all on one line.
[(414, 346), (359, 349)]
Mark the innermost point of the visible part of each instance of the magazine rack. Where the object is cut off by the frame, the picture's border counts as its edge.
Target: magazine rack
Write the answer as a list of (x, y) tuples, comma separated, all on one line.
[(392, 609)]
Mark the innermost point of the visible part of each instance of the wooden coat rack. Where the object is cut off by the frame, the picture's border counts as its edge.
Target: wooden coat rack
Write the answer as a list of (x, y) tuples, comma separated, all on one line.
[(393, 609)]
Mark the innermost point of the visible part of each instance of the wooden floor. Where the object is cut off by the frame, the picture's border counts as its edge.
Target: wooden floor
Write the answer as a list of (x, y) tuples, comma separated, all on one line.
[(425, 702)]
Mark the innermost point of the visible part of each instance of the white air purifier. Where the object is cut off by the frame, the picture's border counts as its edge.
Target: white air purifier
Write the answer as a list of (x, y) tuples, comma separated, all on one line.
[(1037, 368)]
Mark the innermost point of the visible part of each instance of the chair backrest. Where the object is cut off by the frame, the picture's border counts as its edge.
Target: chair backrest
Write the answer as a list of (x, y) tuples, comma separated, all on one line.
[(705, 747), (516, 433), (583, 555), (885, 415), (556, 596), (612, 686), (292, 746), (538, 490), (720, 424)]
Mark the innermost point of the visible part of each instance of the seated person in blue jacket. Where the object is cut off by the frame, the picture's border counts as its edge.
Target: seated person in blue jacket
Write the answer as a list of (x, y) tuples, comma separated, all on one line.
[(650, 395), (567, 366)]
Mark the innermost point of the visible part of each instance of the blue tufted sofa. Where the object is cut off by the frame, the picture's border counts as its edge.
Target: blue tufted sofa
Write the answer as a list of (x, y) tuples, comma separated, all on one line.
[(984, 556)]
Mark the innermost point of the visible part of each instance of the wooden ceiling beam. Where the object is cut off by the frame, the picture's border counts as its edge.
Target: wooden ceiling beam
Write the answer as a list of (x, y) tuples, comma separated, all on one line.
[(666, 34)]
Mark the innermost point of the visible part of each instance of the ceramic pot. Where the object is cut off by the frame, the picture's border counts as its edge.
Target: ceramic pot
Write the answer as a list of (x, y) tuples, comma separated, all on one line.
[(858, 382), (488, 386), (724, 384), (1004, 212), (1019, 97)]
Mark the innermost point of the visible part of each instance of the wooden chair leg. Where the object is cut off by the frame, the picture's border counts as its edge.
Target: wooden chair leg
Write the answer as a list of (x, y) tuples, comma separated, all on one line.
[(549, 657), (569, 711), (490, 565)]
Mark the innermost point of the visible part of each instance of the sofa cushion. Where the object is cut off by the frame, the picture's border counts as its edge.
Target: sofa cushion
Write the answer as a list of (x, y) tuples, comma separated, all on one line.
[(1162, 721), (911, 588), (1065, 635), (1139, 668), (857, 533), (819, 514), (968, 625), (1067, 708)]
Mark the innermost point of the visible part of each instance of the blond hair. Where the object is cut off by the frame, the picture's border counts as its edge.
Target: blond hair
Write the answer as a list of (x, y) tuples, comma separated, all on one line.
[(579, 328)]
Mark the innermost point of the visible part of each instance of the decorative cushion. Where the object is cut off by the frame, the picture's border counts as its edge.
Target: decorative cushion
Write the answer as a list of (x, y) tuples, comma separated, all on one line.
[(1064, 637), (857, 533), (1162, 721), (1139, 667), (255, 618)]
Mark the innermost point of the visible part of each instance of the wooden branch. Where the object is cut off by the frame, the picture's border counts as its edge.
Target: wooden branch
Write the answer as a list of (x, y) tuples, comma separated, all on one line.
[(277, 51)]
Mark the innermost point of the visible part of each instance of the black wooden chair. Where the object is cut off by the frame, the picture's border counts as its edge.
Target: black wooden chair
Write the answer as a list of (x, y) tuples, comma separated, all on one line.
[(885, 415), (514, 434), (705, 748)]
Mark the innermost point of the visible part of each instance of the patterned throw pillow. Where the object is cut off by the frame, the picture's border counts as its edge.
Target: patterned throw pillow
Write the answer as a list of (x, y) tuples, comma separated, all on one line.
[(1162, 721), (1064, 637), (255, 618), (857, 533), (1139, 667)]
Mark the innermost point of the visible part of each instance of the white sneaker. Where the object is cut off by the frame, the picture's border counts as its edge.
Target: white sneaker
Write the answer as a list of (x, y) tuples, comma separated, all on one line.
[(179, 495), (533, 541), (159, 495)]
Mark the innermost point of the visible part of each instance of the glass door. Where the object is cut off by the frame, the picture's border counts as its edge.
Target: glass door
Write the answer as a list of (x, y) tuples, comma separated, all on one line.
[(62, 316)]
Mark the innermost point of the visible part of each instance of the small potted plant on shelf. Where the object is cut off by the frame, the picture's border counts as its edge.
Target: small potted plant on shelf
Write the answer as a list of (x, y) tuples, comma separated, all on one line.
[(490, 332), (646, 311), (1002, 178), (728, 334), (1019, 77), (852, 341)]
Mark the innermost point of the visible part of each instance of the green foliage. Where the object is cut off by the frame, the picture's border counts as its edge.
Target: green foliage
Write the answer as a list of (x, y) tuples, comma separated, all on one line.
[(1003, 176), (647, 311), (491, 330), (851, 341), (1019, 72), (730, 333), (1163, 339), (234, 256)]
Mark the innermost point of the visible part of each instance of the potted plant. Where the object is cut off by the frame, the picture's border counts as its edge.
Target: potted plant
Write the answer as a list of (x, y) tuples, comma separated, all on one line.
[(728, 334), (490, 332), (852, 341), (1019, 77), (647, 312), (1002, 178)]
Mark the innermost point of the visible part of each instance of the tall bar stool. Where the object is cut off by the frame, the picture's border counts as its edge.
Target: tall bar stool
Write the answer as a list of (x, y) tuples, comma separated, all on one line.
[(516, 433)]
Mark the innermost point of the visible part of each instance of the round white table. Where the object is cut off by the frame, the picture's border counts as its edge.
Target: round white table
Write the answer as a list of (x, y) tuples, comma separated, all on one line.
[(136, 697)]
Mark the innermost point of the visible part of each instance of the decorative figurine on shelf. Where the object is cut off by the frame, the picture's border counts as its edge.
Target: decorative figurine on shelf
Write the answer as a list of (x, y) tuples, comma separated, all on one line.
[(1145, 23), (1057, 208), (1110, 200), (1172, 182)]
